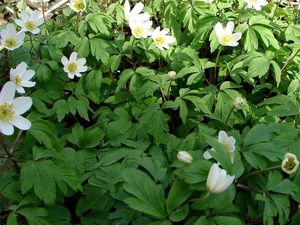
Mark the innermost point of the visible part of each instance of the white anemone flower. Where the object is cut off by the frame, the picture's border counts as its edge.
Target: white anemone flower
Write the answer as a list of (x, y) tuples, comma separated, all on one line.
[(77, 5), (10, 39), (256, 4), (74, 66), (290, 163), (20, 76), (140, 28), (162, 39), (135, 13), (11, 110), (30, 21), (185, 157), (227, 141), (218, 180), (226, 36)]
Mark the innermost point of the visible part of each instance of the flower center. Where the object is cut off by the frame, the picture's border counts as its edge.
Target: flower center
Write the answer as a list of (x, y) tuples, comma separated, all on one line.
[(138, 31), (72, 67), (226, 39), (6, 112), (30, 25), (79, 5), (10, 42), (290, 164), (253, 2), (18, 80), (160, 40), (227, 146)]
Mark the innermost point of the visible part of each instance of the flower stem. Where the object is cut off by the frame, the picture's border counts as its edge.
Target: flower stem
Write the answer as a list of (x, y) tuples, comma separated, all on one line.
[(44, 17), (289, 60), (31, 42), (227, 118), (132, 47), (215, 79), (169, 88), (77, 22), (9, 155), (259, 171)]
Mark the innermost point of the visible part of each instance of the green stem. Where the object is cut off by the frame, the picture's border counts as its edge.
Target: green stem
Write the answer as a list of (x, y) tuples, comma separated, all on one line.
[(215, 79), (275, 10), (31, 42), (227, 118), (289, 60), (160, 62), (132, 48), (240, 13), (44, 17), (249, 189), (162, 94), (10, 156), (259, 171), (77, 22), (169, 88)]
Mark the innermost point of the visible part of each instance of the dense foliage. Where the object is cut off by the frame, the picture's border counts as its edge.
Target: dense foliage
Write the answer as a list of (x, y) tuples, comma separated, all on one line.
[(127, 125)]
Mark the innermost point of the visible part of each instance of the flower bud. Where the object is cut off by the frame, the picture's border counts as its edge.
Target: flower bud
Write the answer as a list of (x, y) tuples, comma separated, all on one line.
[(172, 74), (218, 180), (290, 163), (240, 102), (185, 157)]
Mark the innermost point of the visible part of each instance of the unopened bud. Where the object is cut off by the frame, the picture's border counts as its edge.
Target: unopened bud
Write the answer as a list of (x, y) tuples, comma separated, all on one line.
[(172, 74), (185, 157), (240, 102)]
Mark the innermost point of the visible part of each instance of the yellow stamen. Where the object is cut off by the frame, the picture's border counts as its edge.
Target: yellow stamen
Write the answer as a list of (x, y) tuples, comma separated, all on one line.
[(6, 112), (290, 164), (226, 39), (18, 81), (72, 67), (160, 41), (30, 25), (79, 5), (10, 43), (138, 31)]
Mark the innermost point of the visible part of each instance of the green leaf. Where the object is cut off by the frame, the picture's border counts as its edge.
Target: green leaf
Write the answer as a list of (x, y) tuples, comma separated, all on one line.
[(12, 219), (277, 72), (178, 194), (259, 66), (147, 197), (227, 220), (279, 185), (179, 214), (38, 176), (34, 216)]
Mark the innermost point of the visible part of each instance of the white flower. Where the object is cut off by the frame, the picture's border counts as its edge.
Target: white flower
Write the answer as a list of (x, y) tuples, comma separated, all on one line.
[(256, 4), (226, 36), (172, 74), (290, 163), (140, 28), (218, 180), (185, 157), (30, 22), (10, 39), (135, 13), (20, 76), (162, 39), (240, 102), (11, 110), (227, 142), (207, 1), (77, 5), (74, 66)]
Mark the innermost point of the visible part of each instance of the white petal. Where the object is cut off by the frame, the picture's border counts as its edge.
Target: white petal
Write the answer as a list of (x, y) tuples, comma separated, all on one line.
[(212, 177), (71, 75), (222, 137), (19, 22), (64, 60), (28, 75), (20, 90), (7, 93), (126, 9), (28, 84), (21, 68), (81, 62), (77, 74), (21, 105), (6, 128), (219, 30), (35, 31), (82, 69), (21, 122), (207, 155), (229, 27), (237, 36), (73, 56), (137, 9)]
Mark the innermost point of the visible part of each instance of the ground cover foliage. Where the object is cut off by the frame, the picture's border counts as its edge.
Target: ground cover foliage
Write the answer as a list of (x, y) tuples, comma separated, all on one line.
[(133, 133)]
